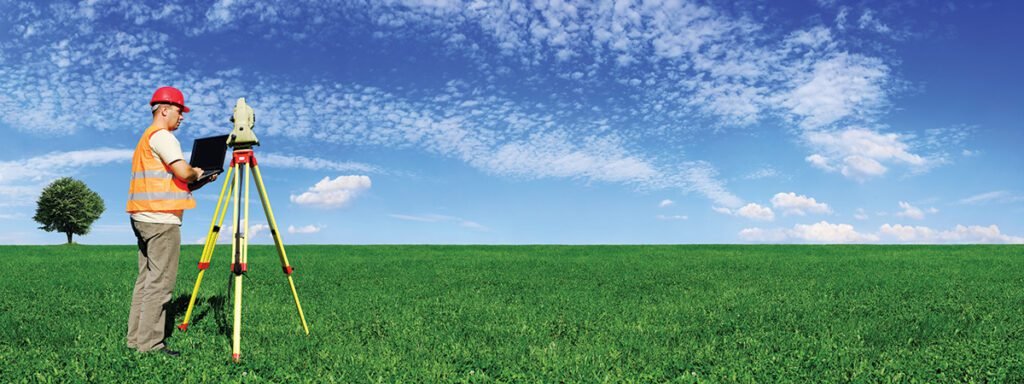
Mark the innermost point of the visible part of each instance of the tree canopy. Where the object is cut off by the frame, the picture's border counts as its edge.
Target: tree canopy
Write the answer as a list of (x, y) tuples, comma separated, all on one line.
[(68, 206)]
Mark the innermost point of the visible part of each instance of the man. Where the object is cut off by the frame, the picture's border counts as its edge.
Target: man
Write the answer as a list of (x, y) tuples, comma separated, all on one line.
[(157, 197)]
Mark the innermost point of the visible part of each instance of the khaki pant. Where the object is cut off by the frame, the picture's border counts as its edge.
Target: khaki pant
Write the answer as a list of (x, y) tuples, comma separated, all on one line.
[(159, 248)]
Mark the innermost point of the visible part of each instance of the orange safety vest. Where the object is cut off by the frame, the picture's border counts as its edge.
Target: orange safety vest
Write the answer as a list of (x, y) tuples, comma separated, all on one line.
[(153, 186)]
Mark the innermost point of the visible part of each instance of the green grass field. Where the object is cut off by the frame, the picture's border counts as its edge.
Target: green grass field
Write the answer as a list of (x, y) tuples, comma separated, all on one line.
[(534, 314)]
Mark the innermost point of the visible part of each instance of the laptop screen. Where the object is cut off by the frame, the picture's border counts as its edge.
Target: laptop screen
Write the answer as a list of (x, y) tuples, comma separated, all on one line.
[(208, 152)]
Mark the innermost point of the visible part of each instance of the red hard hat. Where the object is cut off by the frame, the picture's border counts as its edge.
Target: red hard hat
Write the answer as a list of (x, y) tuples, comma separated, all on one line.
[(169, 95)]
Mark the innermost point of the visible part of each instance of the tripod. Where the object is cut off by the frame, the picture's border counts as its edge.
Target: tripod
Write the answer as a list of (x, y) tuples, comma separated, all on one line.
[(242, 160)]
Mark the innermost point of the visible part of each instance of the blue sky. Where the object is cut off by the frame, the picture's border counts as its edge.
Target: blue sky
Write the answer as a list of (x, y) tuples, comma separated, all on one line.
[(539, 122)]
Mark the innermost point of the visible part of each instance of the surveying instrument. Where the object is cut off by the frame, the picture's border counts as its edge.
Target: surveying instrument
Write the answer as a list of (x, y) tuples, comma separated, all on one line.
[(243, 160)]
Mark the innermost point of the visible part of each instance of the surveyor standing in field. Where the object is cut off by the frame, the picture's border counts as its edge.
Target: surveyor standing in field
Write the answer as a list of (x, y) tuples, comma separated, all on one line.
[(157, 197)]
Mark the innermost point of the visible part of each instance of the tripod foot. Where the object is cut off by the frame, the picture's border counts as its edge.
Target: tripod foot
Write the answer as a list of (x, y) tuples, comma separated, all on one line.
[(183, 327), (235, 357)]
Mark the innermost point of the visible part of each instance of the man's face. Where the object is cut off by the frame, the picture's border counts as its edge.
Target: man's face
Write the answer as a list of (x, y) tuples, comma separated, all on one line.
[(174, 115)]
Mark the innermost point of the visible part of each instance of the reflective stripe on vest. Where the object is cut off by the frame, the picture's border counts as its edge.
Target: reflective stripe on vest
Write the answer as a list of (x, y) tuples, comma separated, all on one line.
[(158, 196), (152, 175)]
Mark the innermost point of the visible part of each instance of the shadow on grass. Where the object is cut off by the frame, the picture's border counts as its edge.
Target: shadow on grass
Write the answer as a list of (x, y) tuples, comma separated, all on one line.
[(203, 307), (173, 308)]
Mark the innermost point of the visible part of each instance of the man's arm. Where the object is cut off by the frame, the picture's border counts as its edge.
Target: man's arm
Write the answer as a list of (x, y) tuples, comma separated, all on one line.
[(166, 147), (183, 171)]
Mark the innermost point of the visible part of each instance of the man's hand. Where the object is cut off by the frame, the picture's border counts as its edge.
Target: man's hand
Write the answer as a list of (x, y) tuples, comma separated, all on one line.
[(186, 172)]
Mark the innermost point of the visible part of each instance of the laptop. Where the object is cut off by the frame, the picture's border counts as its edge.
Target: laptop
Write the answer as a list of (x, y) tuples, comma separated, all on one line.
[(208, 154)]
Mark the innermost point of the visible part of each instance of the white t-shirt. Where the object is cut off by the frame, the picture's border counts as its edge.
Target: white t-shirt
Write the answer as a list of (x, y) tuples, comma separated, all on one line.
[(167, 149)]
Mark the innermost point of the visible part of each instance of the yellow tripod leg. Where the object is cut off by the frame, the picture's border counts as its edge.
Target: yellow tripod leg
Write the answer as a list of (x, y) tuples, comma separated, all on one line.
[(237, 244), (245, 225), (280, 244), (236, 334), (243, 268), (211, 242), (218, 215)]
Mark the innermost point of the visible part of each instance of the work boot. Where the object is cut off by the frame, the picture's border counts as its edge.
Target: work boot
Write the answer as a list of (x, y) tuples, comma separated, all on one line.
[(169, 352)]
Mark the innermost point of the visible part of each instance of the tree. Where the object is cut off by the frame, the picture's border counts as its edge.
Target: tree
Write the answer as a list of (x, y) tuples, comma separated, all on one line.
[(69, 206)]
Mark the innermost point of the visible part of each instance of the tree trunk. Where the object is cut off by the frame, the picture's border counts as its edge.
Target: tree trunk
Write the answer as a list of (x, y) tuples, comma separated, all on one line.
[(69, 236)]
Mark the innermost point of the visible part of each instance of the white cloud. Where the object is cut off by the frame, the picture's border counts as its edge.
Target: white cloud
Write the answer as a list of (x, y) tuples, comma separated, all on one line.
[(858, 153), (333, 193), (947, 139), (734, 104), (554, 155), (868, 21), (792, 204), (992, 197), (722, 210), (56, 164), (960, 234), (255, 230), (821, 232), (814, 38), (910, 211), (306, 229), (141, 15), (825, 232), (19, 195), (665, 203), (908, 234), (22, 180), (702, 178), (864, 142), (762, 174), (225, 14), (473, 225), (221, 12), (421, 218), (317, 164), (821, 162), (671, 217), (861, 214), (759, 235), (861, 168), (756, 212), (845, 85), (841, 18)]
